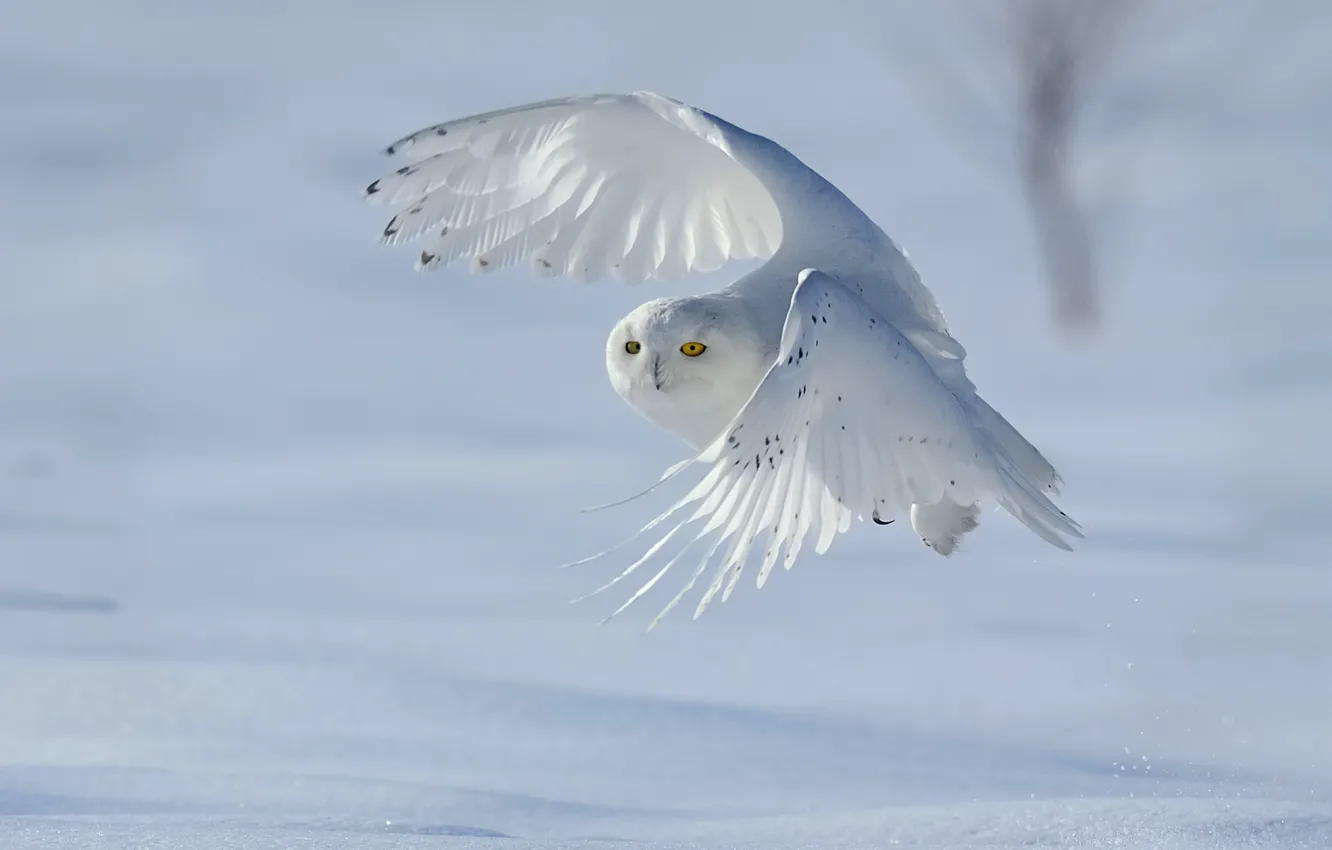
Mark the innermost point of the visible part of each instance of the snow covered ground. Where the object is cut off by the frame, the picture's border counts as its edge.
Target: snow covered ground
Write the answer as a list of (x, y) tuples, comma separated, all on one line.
[(279, 519)]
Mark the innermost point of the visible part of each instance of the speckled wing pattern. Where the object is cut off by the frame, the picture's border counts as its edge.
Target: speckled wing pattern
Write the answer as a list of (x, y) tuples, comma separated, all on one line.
[(634, 186), (850, 421)]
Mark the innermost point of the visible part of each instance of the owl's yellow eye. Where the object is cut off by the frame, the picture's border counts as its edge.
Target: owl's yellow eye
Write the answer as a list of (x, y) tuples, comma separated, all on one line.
[(632, 346), (693, 349)]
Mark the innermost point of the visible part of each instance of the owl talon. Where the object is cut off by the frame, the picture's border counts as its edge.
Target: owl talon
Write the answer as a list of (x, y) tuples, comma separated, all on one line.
[(878, 521)]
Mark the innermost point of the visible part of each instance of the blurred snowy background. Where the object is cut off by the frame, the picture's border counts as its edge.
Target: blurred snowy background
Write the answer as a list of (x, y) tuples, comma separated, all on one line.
[(279, 519)]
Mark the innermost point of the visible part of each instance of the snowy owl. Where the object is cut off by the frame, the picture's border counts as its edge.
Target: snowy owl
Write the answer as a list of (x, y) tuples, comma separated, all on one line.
[(822, 386)]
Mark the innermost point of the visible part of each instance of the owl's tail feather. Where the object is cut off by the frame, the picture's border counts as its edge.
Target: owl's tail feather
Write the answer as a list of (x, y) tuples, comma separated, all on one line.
[(1025, 457), (1025, 480), (1026, 500)]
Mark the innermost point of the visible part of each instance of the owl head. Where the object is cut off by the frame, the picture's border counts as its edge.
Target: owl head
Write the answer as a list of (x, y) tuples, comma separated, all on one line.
[(687, 364)]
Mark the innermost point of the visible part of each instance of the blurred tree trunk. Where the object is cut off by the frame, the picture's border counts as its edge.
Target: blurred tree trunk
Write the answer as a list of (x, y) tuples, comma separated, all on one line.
[(1059, 49), (1047, 92)]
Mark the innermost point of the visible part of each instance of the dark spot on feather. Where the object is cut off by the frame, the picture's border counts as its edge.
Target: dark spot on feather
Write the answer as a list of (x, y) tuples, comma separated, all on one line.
[(404, 171), (440, 131), (372, 188), (426, 257), (545, 264), (482, 263)]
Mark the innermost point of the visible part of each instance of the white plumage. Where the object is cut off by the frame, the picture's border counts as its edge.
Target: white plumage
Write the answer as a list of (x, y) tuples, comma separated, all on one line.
[(821, 387)]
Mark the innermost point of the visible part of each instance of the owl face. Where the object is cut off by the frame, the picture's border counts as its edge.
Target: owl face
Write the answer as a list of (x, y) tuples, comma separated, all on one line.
[(662, 347), (684, 364)]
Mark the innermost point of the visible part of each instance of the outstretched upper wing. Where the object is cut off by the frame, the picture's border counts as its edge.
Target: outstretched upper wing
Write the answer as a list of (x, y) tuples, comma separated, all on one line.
[(636, 186), (850, 421)]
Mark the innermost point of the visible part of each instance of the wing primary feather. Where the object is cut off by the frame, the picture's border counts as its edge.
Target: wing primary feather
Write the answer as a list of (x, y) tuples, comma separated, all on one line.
[(671, 471), (737, 520), (726, 494), (853, 491), (772, 512), (644, 558), (659, 172), (834, 496), (648, 585), (698, 492), (809, 498), (739, 554), (794, 495), (760, 516), (689, 585), (693, 579), (773, 516)]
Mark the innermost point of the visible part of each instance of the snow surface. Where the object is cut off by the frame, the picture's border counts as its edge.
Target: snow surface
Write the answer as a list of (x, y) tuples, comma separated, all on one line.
[(277, 565)]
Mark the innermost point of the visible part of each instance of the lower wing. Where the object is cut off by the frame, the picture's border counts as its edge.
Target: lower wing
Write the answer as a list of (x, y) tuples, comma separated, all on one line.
[(850, 421)]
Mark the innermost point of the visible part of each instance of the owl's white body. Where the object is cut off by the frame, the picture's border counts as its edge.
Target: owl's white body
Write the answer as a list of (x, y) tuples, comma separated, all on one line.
[(822, 386)]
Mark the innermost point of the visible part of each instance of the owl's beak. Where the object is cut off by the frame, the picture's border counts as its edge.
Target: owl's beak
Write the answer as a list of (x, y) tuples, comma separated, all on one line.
[(656, 372)]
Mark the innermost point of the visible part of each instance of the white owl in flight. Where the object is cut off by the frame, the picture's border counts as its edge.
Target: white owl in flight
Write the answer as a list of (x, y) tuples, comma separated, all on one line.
[(822, 386)]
